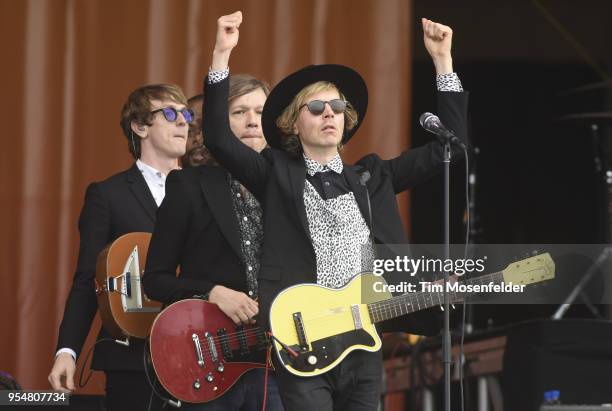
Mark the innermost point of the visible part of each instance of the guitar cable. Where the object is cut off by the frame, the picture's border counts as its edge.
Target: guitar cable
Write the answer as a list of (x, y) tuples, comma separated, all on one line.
[(268, 361), (81, 383), (285, 346), (165, 400)]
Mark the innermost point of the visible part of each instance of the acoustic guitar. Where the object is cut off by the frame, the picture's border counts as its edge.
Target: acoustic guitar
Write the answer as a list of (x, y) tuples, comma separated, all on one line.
[(124, 308)]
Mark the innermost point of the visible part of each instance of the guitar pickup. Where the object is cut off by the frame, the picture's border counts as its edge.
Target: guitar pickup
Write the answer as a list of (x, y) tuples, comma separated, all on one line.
[(242, 341), (299, 329), (211, 345), (224, 342), (356, 317)]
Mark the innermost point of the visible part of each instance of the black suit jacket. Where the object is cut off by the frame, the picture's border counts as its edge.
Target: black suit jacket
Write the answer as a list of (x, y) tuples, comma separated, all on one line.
[(197, 230), (121, 204), (277, 179)]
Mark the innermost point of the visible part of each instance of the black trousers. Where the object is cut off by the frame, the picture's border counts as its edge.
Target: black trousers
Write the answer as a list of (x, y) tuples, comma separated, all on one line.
[(245, 395), (354, 385), (130, 391)]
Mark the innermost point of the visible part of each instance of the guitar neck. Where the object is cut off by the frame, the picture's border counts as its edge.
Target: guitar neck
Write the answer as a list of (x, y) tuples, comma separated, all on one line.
[(413, 302)]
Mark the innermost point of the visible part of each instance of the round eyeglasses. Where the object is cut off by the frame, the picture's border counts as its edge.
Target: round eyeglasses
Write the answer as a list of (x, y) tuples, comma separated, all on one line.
[(171, 114)]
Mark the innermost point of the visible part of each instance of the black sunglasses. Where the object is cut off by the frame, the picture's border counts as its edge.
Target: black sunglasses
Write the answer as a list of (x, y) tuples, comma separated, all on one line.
[(171, 114), (317, 107)]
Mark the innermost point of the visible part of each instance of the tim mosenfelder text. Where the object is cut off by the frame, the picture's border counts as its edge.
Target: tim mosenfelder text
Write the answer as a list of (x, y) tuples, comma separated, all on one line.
[(451, 287)]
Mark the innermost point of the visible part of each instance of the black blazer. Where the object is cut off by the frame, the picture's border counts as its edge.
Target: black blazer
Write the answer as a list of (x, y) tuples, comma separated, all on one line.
[(197, 230), (277, 179), (121, 204)]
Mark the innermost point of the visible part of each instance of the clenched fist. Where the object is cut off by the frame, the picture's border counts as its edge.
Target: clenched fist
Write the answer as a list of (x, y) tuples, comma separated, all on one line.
[(227, 39), (438, 40)]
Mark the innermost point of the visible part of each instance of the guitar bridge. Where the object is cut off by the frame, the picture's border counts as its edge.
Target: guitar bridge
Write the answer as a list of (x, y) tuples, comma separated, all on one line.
[(111, 284), (301, 333), (198, 349)]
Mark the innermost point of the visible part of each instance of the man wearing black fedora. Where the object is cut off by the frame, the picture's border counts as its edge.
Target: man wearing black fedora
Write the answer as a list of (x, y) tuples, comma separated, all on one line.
[(319, 213)]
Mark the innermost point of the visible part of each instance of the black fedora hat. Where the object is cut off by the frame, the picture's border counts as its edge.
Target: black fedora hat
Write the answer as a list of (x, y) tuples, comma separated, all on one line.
[(347, 80)]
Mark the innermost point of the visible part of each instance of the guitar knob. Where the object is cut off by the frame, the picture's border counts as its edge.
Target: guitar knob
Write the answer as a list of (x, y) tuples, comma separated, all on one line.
[(196, 384), (210, 377), (312, 360), (220, 368)]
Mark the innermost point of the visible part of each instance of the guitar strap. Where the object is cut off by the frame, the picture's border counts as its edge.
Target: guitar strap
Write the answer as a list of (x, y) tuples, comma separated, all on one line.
[(364, 176)]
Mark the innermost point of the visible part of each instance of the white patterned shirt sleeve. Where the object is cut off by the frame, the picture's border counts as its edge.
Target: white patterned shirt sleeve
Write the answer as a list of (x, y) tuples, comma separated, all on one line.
[(448, 82), (217, 76)]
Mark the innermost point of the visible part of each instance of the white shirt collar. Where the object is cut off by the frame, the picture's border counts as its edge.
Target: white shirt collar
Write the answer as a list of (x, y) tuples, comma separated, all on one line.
[(145, 168)]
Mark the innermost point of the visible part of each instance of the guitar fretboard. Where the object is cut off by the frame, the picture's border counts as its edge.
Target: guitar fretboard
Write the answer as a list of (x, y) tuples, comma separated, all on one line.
[(413, 302)]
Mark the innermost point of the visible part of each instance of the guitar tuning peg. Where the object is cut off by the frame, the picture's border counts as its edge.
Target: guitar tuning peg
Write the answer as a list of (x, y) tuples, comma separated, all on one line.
[(441, 308), (453, 305)]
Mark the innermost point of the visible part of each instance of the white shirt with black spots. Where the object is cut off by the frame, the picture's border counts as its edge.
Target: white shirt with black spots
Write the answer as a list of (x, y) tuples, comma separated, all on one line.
[(340, 236)]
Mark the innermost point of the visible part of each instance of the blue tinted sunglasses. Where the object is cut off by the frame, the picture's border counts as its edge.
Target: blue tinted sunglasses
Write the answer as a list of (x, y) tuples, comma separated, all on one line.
[(171, 114)]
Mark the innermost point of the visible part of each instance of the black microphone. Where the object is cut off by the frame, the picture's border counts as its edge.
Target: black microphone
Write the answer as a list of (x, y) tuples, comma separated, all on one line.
[(430, 122)]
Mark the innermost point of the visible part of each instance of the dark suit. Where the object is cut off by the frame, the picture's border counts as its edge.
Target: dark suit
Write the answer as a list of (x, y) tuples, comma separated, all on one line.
[(197, 229), (288, 257), (119, 205), (277, 180)]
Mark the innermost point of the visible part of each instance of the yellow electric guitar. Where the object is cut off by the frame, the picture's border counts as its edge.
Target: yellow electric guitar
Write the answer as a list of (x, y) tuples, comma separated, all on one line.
[(315, 327)]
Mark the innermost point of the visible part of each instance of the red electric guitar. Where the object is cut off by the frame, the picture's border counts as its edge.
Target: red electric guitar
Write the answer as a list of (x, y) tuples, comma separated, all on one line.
[(198, 353)]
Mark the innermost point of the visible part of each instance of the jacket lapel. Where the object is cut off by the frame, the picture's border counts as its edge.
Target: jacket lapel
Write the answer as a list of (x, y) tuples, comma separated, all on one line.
[(360, 192), (297, 177), (140, 189), (216, 190)]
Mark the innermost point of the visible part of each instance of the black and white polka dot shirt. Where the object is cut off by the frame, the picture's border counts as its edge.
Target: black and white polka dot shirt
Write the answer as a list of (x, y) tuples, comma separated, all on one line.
[(339, 233)]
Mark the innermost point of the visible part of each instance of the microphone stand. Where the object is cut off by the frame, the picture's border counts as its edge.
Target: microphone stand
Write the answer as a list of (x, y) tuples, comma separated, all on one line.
[(446, 338), (447, 137)]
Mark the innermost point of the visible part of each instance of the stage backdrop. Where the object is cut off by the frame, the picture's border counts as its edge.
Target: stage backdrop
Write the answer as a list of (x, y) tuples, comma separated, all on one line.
[(68, 66)]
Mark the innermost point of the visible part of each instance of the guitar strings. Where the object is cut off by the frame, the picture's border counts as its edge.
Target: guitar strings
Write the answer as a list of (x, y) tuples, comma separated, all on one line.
[(376, 309), (205, 348), (386, 306), (230, 337)]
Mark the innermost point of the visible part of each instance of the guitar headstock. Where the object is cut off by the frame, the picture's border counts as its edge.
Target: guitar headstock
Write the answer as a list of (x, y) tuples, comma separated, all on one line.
[(530, 270)]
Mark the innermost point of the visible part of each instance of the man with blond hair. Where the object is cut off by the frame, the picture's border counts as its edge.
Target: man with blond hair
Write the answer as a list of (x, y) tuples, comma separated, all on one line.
[(320, 213)]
